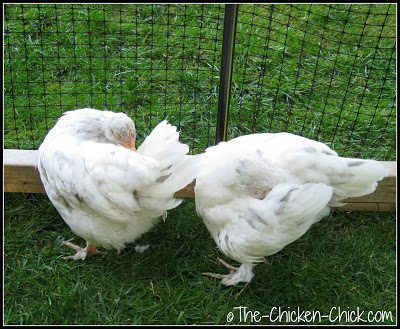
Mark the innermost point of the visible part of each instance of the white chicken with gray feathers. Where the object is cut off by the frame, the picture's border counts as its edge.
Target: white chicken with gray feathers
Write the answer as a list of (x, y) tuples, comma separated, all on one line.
[(260, 192), (108, 192)]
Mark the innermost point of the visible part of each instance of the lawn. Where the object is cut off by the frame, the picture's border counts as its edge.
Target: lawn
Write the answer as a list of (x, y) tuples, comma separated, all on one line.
[(346, 260), (327, 72)]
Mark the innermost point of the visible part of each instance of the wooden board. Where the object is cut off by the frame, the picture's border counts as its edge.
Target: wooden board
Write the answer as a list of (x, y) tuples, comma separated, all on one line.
[(20, 175), (368, 206)]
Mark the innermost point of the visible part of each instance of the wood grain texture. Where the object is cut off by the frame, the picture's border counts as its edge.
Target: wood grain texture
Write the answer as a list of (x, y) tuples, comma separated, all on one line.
[(367, 206), (20, 175)]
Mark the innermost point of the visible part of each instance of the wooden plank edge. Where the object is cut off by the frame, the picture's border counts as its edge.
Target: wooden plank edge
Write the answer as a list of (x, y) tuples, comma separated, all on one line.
[(21, 176), (367, 206)]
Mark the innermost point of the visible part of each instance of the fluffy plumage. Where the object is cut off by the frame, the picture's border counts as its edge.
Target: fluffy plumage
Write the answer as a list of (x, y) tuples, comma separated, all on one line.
[(260, 192), (108, 194)]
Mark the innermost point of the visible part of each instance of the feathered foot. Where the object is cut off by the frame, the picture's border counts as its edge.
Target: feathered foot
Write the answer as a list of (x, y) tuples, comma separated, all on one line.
[(82, 253), (244, 273)]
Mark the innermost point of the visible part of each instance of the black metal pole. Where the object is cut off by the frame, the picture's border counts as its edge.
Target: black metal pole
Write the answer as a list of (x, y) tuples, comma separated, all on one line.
[(228, 47)]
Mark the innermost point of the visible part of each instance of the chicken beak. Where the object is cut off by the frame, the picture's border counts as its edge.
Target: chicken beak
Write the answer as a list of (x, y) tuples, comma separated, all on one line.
[(130, 142)]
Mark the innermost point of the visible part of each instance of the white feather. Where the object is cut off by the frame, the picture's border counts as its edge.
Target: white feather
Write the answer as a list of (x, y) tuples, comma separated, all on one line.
[(95, 184), (260, 192)]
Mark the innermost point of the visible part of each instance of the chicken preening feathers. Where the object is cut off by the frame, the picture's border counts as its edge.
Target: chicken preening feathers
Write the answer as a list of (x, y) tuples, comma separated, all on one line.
[(107, 193), (260, 192), (255, 193)]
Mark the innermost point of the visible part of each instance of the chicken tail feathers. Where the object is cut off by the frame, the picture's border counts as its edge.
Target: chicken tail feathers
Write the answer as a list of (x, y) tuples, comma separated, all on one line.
[(175, 178), (163, 145), (178, 168), (363, 179)]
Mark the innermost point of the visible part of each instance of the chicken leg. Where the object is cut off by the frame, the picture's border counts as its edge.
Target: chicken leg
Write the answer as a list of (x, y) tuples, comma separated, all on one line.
[(81, 253), (244, 273)]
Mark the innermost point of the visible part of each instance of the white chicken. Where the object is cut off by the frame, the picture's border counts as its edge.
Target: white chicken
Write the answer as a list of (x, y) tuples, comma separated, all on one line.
[(108, 193), (260, 192)]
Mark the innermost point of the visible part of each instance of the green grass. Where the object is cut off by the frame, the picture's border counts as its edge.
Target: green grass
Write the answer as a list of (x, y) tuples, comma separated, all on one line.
[(316, 71), (149, 61), (301, 75), (346, 260), (325, 72)]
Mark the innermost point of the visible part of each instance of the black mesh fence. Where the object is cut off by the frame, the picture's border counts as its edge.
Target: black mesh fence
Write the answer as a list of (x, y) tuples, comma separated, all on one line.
[(324, 71), (151, 61)]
